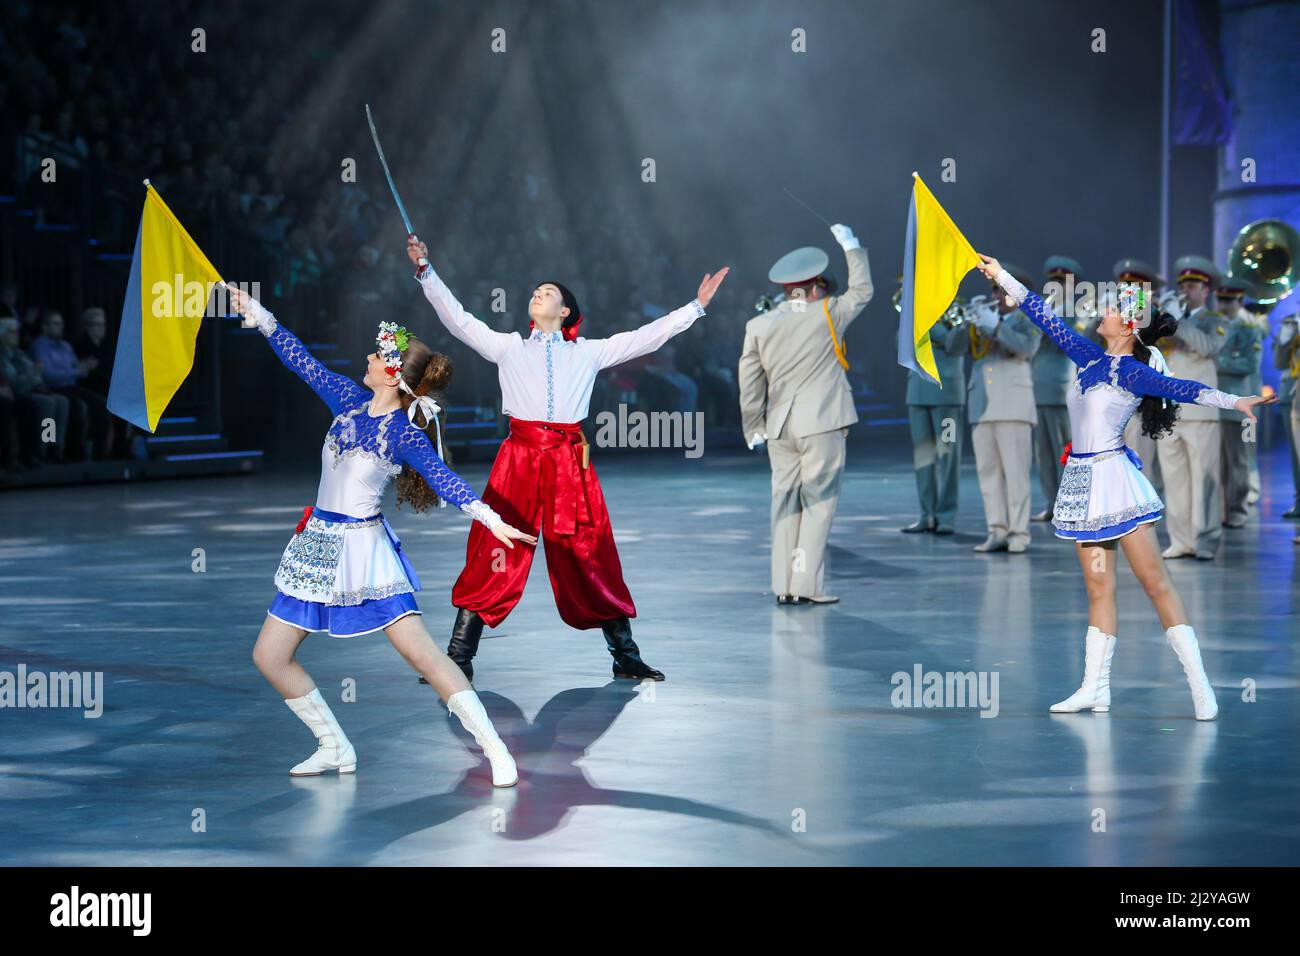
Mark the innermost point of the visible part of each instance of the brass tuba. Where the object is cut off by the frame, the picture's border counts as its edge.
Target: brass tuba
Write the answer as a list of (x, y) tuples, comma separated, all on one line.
[(1264, 256)]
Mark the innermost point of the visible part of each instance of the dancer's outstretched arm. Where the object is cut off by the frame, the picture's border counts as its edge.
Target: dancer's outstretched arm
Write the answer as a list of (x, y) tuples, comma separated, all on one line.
[(625, 346), (1134, 376), (336, 390), (475, 333), (1143, 380), (1081, 351), (414, 450)]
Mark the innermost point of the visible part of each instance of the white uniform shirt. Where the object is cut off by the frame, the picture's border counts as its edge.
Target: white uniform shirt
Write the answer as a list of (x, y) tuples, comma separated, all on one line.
[(543, 377)]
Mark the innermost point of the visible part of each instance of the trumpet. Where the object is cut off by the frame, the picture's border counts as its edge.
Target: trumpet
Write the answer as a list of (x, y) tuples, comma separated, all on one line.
[(766, 303), (954, 317), (973, 310)]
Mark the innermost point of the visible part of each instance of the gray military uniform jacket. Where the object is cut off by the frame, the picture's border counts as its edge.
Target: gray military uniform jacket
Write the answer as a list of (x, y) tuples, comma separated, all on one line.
[(1001, 383), (1053, 373), (1193, 352), (950, 347), (1238, 362), (1282, 356), (791, 383)]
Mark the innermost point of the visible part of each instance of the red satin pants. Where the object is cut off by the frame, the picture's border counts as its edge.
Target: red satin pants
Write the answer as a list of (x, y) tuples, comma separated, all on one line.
[(538, 481)]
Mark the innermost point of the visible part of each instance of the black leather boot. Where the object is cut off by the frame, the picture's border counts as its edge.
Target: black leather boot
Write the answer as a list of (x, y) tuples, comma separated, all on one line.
[(465, 634), (627, 656)]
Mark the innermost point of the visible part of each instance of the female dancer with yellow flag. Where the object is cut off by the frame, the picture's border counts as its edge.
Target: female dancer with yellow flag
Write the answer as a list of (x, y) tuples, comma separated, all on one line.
[(344, 571), (1104, 498)]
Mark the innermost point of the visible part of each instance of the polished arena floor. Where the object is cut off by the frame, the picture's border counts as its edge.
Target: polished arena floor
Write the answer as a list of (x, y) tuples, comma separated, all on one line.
[(775, 739)]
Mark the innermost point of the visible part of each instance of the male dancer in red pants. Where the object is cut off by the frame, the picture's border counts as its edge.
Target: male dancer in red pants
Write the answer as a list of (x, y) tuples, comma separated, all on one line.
[(542, 476)]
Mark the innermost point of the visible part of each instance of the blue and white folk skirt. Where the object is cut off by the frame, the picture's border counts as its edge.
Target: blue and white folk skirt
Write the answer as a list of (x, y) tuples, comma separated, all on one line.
[(345, 576), (1103, 496)]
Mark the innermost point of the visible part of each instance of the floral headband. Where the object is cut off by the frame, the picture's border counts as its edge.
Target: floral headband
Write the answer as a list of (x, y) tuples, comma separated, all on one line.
[(1132, 301), (392, 341)]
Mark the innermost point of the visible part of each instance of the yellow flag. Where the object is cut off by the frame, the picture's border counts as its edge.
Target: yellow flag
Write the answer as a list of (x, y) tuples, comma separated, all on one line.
[(166, 298), (936, 257)]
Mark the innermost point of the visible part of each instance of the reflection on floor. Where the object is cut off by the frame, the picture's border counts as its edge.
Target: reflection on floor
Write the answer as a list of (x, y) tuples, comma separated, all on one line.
[(775, 739)]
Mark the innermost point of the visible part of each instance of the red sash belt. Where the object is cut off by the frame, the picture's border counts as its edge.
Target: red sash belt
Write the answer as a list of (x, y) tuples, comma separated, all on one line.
[(562, 447)]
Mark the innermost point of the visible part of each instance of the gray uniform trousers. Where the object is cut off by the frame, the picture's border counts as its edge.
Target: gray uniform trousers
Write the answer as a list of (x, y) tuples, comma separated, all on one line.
[(1051, 435), (1234, 468), (937, 432), (805, 491)]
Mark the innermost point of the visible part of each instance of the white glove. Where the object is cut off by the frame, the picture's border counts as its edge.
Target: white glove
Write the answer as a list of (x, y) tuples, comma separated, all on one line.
[(756, 441), (1168, 302), (844, 236), (986, 317), (1287, 332)]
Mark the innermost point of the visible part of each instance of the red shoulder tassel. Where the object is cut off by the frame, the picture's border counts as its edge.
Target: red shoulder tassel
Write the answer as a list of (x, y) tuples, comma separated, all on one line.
[(1066, 454), (302, 523)]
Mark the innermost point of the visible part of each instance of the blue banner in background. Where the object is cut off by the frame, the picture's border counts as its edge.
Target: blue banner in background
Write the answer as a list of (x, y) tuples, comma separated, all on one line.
[(1202, 114)]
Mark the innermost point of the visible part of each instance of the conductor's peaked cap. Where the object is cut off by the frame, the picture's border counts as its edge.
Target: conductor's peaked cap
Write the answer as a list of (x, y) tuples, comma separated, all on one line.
[(799, 266)]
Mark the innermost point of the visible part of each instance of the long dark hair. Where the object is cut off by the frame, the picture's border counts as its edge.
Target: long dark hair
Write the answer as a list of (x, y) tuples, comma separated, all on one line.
[(1158, 415), (427, 373)]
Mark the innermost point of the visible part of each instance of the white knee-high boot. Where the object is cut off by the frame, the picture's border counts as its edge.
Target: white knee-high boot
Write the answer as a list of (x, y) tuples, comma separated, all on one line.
[(334, 750), (1094, 693), (466, 705), (1182, 639)]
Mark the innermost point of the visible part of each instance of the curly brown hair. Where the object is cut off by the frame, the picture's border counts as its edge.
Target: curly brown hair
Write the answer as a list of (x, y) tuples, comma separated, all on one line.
[(427, 373)]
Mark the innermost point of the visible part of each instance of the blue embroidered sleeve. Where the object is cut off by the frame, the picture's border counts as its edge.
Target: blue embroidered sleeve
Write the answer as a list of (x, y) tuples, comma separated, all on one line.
[(414, 450), (337, 391), (1081, 351), (1142, 379)]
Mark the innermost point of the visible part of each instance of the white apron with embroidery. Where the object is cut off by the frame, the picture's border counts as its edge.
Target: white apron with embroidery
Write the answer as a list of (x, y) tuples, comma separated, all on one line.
[(1106, 489), (344, 563)]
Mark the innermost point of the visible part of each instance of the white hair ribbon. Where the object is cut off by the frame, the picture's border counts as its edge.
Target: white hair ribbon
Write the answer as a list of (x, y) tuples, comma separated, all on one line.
[(431, 409), (1157, 361)]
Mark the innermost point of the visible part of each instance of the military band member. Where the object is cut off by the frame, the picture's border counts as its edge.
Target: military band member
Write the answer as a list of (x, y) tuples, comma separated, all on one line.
[(936, 416), (1189, 456), (1286, 359), (1002, 415), (1053, 375), (1135, 270), (1238, 365), (1258, 314), (795, 396)]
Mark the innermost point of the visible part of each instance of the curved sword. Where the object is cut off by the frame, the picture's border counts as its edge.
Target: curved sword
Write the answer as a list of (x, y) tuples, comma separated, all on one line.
[(392, 186)]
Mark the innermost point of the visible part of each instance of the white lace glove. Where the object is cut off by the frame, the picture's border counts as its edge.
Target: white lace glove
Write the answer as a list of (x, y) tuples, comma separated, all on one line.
[(257, 316), (844, 236), (481, 512), (1011, 286), (1217, 399)]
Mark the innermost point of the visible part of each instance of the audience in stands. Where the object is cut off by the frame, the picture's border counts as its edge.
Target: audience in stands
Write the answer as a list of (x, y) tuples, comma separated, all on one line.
[(42, 414), (248, 152)]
